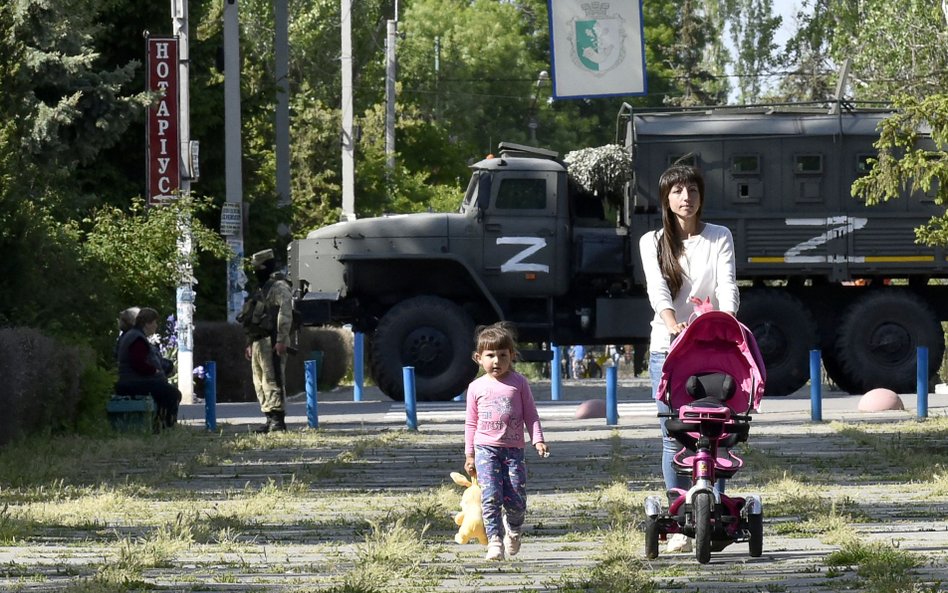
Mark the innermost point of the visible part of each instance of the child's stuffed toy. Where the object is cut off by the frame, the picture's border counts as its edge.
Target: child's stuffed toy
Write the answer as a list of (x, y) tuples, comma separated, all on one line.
[(470, 521)]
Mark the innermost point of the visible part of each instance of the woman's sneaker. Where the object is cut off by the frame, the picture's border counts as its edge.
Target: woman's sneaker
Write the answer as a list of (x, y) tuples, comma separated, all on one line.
[(512, 542), (495, 549), (678, 542)]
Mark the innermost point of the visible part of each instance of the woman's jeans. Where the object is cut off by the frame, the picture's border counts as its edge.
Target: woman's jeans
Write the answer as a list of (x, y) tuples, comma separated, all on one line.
[(669, 445)]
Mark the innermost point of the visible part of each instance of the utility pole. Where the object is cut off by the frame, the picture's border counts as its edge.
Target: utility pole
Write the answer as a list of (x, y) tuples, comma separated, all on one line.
[(184, 295), (348, 141), (232, 218), (390, 74)]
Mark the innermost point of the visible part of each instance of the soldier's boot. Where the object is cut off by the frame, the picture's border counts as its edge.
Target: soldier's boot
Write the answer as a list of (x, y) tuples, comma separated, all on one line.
[(265, 428), (277, 422)]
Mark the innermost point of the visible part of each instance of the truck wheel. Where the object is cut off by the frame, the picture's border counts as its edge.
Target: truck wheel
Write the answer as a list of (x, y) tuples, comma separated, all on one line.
[(785, 332), (431, 334), (878, 339)]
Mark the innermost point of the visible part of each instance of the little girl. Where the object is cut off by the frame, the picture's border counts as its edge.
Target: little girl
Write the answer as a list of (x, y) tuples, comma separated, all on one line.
[(499, 406)]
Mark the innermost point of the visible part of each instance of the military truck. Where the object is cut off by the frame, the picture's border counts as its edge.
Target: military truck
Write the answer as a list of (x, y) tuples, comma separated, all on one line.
[(817, 267)]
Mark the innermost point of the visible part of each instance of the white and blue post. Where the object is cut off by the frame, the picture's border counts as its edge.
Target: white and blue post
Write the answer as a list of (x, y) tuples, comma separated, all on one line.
[(358, 365), (210, 395), (921, 382), (816, 387), (312, 402), (612, 404), (408, 380), (556, 380)]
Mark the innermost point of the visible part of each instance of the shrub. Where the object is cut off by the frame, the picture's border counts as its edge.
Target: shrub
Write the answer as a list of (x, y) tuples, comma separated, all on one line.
[(336, 346), (42, 383), (224, 343)]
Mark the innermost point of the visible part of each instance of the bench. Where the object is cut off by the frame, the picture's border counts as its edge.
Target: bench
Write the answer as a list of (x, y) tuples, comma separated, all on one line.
[(131, 413)]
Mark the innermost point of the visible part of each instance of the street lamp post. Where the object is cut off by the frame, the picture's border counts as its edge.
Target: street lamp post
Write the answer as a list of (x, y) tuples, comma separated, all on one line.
[(533, 124)]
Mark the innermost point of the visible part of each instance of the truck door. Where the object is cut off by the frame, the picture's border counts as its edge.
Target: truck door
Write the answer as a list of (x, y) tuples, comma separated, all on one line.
[(521, 250)]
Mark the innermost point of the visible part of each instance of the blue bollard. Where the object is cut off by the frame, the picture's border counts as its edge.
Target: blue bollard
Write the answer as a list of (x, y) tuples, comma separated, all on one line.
[(408, 379), (816, 387), (358, 365), (312, 403), (921, 382), (556, 379), (210, 395), (612, 405)]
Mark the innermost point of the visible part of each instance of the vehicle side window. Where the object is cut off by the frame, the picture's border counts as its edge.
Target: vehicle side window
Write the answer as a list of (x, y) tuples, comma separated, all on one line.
[(521, 194)]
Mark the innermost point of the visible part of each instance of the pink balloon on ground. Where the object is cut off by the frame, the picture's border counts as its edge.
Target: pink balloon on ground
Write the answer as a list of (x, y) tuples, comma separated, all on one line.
[(591, 408), (880, 400)]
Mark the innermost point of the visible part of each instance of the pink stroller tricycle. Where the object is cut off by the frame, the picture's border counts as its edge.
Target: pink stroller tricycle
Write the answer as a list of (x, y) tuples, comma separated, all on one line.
[(712, 379)]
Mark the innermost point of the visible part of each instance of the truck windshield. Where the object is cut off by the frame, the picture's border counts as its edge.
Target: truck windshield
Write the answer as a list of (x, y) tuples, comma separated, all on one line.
[(470, 196)]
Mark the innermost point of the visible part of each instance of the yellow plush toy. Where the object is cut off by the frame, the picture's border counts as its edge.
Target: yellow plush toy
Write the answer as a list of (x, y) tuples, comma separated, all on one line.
[(470, 521)]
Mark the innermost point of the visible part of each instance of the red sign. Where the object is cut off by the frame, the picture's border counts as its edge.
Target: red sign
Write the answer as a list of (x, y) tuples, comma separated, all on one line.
[(164, 150)]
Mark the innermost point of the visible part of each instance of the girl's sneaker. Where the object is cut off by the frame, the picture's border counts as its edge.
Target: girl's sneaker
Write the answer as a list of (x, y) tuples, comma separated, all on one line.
[(512, 542), (495, 549)]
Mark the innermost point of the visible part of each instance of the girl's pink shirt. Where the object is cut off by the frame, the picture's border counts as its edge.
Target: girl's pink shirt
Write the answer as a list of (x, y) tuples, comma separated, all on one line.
[(498, 410)]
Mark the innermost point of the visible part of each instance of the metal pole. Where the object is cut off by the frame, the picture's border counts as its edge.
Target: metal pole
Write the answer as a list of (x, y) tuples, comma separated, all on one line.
[(612, 404), (816, 387), (921, 382), (233, 174), (184, 294), (348, 142), (411, 414), (390, 65), (312, 403), (556, 378), (210, 395), (358, 364)]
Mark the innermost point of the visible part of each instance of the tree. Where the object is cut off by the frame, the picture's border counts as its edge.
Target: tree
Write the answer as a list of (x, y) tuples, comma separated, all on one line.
[(905, 165), (753, 27)]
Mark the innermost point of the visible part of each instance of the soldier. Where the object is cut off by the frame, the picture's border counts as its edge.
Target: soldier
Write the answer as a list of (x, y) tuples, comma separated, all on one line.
[(267, 318)]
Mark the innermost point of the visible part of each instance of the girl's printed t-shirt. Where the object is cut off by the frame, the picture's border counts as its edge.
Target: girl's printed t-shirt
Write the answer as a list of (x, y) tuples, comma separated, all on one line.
[(497, 412)]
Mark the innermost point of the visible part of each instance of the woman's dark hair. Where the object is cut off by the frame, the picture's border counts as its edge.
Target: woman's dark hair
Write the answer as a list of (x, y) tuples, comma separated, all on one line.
[(670, 247), (145, 315)]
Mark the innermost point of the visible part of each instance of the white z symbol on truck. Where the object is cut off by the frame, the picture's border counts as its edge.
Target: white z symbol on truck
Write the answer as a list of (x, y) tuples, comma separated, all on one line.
[(516, 263), (842, 225)]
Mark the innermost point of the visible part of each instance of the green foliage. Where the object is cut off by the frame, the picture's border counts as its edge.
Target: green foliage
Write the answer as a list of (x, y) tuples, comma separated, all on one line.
[(140, 246), (903, 165)]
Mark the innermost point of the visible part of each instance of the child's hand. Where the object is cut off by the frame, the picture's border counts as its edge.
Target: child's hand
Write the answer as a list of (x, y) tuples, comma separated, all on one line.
[(469, 466), (542, 450)]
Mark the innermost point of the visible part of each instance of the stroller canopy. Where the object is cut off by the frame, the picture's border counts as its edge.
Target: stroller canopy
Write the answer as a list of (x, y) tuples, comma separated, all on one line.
[(714, 342)]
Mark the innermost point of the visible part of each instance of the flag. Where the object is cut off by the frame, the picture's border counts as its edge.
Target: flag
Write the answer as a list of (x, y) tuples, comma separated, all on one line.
[(597, 48)]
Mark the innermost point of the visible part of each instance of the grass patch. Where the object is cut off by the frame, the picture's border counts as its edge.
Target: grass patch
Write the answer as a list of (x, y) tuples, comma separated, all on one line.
[(882, 568), (619, 566)]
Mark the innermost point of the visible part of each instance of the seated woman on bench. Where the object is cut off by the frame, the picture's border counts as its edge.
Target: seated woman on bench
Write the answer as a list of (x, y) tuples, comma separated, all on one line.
[(141, 368)]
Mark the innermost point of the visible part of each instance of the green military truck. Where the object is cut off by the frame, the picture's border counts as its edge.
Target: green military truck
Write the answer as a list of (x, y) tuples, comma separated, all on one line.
[(817, 268)]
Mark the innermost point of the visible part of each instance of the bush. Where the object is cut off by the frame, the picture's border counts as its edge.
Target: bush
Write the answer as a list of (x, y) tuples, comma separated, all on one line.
[(42, 379), (336, 346), (224, 343)]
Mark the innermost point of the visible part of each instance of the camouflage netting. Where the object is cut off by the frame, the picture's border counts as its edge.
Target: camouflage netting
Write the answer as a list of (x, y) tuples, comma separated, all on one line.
[(603, 171), (224, 343)]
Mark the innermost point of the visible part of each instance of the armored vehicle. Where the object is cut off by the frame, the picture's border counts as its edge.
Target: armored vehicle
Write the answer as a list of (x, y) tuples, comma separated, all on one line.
[(817, 267)]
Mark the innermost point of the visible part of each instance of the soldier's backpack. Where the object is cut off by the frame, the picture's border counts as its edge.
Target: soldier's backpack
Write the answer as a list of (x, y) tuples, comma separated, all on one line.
[(260, 320)]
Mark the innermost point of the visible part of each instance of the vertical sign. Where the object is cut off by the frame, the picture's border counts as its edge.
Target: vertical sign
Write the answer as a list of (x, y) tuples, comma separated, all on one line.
[(164, 158), (597, 48)]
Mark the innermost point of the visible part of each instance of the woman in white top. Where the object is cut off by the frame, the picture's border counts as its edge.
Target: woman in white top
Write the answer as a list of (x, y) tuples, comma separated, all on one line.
[(686, 258)]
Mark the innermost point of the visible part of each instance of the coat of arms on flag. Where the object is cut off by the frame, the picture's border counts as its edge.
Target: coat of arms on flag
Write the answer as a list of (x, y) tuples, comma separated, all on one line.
[(597, 48)]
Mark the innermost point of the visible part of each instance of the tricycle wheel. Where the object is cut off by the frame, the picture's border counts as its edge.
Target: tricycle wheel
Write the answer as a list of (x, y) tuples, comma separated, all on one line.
[(703, 505), (755, 525), (651, 538)]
